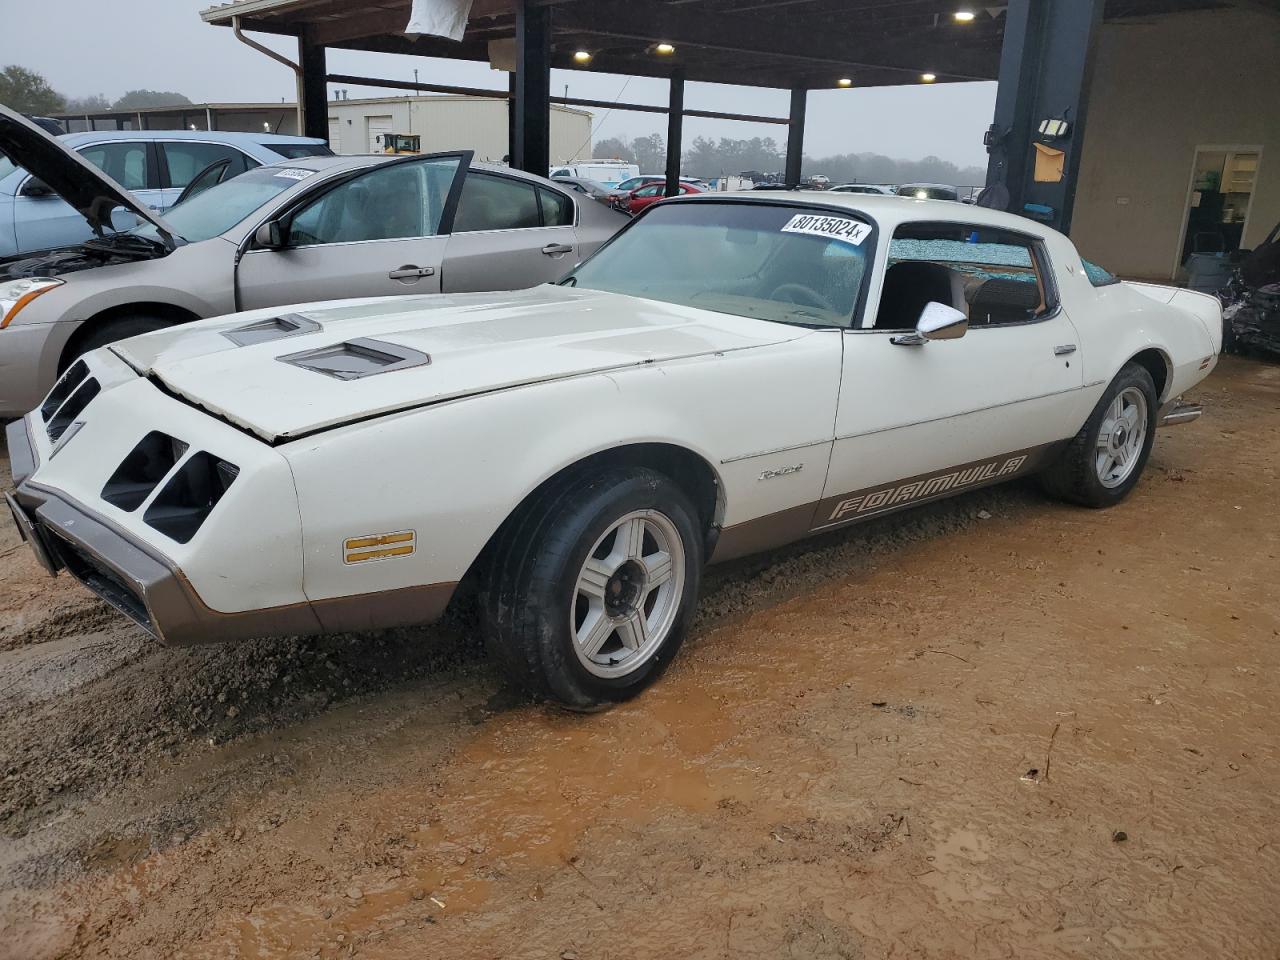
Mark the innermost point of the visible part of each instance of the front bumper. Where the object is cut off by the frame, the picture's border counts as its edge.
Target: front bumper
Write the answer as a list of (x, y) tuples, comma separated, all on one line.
[(155, 594)]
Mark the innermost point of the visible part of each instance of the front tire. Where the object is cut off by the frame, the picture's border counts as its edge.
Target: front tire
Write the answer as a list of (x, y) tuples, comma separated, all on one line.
[(593, 585), (1105, 460)]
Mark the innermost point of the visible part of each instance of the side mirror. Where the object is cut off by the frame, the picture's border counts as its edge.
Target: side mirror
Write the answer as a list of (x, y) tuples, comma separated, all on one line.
[(270, 235), (36, 188), (937, 322)]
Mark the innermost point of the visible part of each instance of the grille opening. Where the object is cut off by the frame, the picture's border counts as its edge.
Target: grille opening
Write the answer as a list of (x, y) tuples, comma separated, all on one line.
[(74, 376), (273, 328), (103, 581), (74, 406), (146, 465), (357, 358), (190, 496)]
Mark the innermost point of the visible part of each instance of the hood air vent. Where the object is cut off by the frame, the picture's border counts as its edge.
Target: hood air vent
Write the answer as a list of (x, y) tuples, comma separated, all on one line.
[(273, 328), (355, 359)]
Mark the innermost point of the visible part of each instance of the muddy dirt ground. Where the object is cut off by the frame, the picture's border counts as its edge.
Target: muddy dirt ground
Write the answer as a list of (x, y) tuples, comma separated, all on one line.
[(995, 727)]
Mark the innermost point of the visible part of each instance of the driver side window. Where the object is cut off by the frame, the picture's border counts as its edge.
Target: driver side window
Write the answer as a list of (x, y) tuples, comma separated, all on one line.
[(396, 202), (995, 277)]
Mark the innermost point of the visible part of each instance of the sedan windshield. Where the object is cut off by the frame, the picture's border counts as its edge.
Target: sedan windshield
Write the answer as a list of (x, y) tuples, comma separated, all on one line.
[(218, 209), (783, 263)]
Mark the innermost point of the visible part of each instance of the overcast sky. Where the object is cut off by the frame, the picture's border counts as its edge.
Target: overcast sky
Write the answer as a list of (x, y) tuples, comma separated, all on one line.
[(109, 46)]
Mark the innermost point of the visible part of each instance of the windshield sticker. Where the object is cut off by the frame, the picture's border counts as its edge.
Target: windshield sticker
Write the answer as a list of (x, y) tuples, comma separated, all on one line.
[(833, 228), (293, 173)]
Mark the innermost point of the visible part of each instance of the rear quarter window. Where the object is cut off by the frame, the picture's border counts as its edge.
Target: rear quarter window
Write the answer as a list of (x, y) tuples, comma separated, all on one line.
[(1099, 276)]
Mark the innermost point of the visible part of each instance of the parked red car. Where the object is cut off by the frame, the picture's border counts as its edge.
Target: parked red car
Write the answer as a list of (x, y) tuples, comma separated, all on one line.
[(637, 200)]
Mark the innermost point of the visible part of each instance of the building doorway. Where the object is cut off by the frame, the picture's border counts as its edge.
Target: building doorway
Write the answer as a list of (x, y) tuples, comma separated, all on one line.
[(1223, 180)]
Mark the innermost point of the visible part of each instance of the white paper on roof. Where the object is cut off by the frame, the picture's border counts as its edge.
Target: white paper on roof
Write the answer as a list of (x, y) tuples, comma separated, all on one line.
[(439, 18)]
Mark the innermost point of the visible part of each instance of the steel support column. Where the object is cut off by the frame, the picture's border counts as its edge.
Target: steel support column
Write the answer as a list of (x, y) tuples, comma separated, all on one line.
[(675, 134), (315, 96), (795, 136), (1045, 69), (531, 150)]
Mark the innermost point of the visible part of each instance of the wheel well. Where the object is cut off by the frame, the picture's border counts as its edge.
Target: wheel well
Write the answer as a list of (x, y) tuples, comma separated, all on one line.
[(690, 471), (161, 311), (1156, 365)]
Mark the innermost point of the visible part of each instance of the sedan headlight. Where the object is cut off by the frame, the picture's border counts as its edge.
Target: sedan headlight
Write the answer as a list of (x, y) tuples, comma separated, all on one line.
[(16, 294)]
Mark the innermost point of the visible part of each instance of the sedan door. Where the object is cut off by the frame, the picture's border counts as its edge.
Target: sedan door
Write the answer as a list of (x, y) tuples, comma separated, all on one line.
[(509, 234), (375, 234), (920, 420)]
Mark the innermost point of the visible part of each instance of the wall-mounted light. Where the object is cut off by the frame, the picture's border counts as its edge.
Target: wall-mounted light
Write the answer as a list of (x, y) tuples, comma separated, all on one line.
[(928, 77), (664, 49), (964, 16), (266, 126), (193, 126), (582, 57), (844, 82)]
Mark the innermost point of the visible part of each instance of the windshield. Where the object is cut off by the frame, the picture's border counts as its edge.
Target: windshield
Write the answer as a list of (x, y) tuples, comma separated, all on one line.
[(218, 209), (773, 262)]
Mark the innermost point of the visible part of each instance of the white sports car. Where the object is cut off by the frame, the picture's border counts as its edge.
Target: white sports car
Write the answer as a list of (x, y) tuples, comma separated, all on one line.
[(728, 374)]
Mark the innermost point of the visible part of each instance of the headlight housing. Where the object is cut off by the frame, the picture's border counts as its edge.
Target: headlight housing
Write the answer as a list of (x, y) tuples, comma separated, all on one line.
[(16, 294)]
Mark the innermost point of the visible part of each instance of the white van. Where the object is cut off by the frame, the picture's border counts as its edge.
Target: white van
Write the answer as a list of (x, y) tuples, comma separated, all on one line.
[(609, 172)]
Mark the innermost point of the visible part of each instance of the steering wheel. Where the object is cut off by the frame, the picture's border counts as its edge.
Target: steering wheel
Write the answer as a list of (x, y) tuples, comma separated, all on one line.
[(801, 295)]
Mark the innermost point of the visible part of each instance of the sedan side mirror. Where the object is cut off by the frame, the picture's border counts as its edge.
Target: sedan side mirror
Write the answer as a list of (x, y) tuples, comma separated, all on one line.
[(270, 235), (36, 188), (938, 321)]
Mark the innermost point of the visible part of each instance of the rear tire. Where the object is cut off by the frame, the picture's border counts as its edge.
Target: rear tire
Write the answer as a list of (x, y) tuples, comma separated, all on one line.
[(1105, 460), (100, 333), (592, 586)]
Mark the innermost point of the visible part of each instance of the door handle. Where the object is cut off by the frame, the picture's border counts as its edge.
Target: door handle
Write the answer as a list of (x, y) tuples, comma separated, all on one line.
[(1065, 350), (557, 249), (410, 272)]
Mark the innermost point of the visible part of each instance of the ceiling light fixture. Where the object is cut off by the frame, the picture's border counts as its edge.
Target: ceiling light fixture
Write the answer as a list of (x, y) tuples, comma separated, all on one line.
[(965, 16), (582, 56), (928, 77), (844, 82), (664, 49)]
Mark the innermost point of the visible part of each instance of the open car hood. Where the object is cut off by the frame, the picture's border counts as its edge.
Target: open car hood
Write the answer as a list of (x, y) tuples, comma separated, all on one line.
[(70, 176), (453, 346)]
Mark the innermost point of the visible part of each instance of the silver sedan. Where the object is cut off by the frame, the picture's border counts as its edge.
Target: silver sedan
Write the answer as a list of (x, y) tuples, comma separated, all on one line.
[(319, 228)]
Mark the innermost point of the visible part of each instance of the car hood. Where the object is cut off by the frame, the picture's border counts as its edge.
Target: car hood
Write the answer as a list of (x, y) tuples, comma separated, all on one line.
[(70, 176), (476, 344)]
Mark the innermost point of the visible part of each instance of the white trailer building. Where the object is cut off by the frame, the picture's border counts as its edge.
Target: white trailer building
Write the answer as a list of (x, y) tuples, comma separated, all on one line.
[(449, 123)]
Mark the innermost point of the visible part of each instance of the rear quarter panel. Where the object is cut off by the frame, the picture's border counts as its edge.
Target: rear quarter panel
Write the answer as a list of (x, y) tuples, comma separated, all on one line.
[(1116, 322)]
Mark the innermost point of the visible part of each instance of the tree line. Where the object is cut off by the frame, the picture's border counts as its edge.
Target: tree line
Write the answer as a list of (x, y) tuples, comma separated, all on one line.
[(707, 158), (26, 91)]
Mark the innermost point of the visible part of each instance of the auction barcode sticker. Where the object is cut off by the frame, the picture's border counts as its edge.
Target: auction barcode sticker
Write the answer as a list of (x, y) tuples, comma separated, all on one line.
[(294, 173), (834, 228)]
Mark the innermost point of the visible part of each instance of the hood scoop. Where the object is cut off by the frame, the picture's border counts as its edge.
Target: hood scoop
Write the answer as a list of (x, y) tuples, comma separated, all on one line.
[(356, 359), (273, 328)]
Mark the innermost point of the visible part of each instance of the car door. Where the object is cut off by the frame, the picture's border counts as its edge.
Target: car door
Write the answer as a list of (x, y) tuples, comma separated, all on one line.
[(916, 422), (509, 233), (42, 220), (182, 160), (377, 233)]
